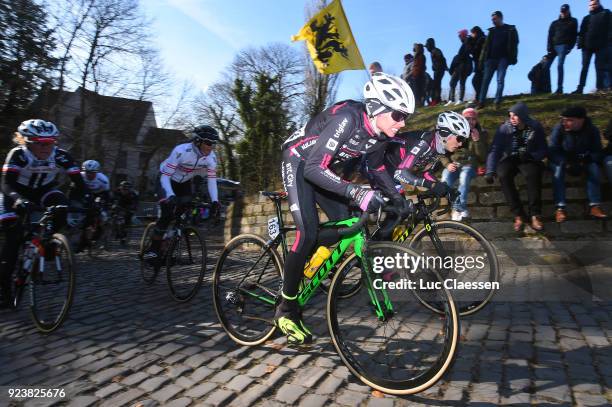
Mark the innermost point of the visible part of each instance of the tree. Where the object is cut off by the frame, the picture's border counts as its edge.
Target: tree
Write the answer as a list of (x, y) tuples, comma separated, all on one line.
[(266, 126), (26, 61)]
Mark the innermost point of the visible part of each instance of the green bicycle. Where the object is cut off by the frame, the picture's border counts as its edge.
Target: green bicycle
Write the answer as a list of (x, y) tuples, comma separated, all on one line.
[(382, 333), (440, 240)]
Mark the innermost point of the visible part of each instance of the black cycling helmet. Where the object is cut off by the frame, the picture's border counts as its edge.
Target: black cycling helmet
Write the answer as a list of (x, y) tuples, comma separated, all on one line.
[(205, 134)]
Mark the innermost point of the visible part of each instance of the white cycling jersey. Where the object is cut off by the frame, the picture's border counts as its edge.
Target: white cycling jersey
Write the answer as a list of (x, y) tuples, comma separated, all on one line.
[(97, 185), (185, 162)]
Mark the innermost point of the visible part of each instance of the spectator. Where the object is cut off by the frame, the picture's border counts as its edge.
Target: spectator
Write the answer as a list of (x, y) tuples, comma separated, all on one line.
[(607, 152), (595, 37), (460, 69), (500, 49), (561, 39), (407, 74), (575, 148), (465, 163), (477, 40), (519, 146), (540, 76), (418, 74), (375, 67), (438, 66), (428, 89)]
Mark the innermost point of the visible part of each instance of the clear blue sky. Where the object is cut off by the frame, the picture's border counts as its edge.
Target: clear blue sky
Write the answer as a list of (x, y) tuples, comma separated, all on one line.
[(199, 38)]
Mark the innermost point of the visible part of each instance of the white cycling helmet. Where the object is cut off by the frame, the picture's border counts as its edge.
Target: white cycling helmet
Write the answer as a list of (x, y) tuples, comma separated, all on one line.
[(91, 166), (38, 131), (451, 123), (385, 92)]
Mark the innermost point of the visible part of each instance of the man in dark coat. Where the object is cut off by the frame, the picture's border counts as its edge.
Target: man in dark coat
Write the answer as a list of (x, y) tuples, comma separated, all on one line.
[(595, 38), (519, 146), (438, 66), (477, 40), (561, 39), (540, 76), (575, 148), (499, 51)]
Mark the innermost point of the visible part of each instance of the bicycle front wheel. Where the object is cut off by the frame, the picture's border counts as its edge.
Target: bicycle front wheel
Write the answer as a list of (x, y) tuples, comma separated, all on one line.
[(186, 264), (52, 285), (474, 262), (383, 334), (148, 272), (247, 285)]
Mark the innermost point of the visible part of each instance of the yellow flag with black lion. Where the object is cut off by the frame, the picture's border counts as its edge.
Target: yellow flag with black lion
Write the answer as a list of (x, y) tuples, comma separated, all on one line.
[(330, 41)]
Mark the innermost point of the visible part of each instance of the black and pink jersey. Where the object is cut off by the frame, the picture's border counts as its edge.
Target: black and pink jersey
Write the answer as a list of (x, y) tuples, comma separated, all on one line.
[(411, 158), (335, 136)]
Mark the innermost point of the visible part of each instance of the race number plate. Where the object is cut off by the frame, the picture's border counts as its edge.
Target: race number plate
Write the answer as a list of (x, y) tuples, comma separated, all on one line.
[(273, 227)]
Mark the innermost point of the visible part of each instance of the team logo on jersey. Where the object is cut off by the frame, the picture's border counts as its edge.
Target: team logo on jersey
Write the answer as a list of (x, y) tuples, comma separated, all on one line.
[(415, 150), (331, 144)]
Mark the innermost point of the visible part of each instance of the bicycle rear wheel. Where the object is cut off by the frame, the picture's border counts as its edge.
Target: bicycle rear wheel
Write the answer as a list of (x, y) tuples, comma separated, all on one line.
[(148, 272), (404, 349), (461, 242), (186, 264), (52, 289), (247, 285)]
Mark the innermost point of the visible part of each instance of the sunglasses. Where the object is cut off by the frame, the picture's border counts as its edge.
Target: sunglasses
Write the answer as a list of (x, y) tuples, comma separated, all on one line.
[(399, 116)]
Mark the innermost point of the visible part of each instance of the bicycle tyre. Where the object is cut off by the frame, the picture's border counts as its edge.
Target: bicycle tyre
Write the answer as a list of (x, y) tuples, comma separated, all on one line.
[(148, 273), (346, 323), (188, 236), (38, 282), (471, 306), (248, 330)]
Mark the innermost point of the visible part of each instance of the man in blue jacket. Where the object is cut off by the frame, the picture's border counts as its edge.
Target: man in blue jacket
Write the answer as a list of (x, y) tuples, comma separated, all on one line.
[(575, 148), (519, 146)]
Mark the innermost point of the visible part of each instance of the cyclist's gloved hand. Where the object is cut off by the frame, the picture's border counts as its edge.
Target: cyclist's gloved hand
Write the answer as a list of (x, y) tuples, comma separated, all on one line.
[(22, 205), (490, 178), (215, 209), (440, 189), (404, 206), (367, 199)]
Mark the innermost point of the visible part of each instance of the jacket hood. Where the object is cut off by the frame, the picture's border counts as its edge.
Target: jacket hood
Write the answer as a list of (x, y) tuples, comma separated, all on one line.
[(522, 111)]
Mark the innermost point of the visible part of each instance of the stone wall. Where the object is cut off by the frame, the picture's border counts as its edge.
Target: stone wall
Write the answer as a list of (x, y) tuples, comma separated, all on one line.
[(486, 204)]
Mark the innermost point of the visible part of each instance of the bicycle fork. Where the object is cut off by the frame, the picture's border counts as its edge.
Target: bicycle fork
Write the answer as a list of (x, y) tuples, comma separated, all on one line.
[(379, 298)]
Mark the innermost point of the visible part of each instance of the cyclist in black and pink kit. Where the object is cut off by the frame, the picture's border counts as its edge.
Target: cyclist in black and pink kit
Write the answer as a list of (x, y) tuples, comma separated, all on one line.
[(411, 158), (29, 176), (311, 159)]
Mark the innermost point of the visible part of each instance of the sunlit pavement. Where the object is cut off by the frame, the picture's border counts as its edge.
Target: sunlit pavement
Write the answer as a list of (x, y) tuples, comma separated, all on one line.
[(544, 340)]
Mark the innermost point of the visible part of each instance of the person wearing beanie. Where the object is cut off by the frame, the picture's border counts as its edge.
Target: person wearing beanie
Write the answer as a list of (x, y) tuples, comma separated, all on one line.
[(460, 69), (499, 51), (575, 148), (519, 146), (466, 163), (438, 66), (476, 40), (595, 38), (562, 36)]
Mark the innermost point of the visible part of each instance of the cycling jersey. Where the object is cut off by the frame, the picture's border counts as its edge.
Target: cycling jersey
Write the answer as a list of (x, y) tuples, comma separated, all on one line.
[(411, 157), (335, 136), (98, 185), (185, 162), (23, 172)]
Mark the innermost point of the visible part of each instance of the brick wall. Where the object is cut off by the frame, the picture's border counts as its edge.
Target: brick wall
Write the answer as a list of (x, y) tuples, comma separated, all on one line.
[(486, 203)]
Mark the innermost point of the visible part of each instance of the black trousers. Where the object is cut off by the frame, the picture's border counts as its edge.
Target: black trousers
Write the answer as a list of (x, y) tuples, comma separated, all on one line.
[(477, 82), (507, 170), (437, 86), (303, 199)]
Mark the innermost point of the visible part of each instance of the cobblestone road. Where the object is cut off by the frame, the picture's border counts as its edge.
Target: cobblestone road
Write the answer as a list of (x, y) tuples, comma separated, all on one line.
[(129, 344)]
